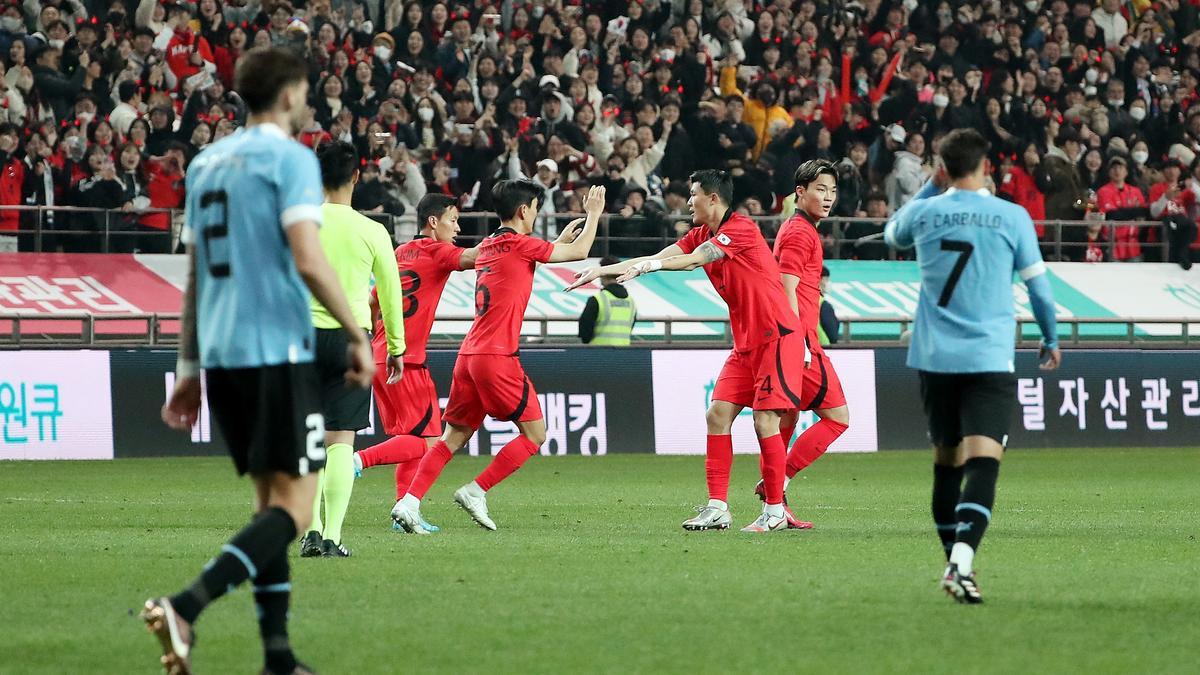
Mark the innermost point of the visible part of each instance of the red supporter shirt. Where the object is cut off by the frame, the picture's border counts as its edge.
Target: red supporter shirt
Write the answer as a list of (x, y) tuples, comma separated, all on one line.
[(165, 188), (425, 266), (179, 54), (1110, 198), (503, 284), (747, 279), (799, 251)]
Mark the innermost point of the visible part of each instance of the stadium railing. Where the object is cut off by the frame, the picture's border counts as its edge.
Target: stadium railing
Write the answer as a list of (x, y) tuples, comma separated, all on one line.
[(92, 230), (76, 329)]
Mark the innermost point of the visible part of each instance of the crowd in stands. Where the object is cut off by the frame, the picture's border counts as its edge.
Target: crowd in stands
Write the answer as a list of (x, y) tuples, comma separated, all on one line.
[(1088, 105)]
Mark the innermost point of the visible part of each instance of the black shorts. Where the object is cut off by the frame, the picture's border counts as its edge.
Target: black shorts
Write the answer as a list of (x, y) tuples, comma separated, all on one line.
[(346, 407), (270, 417), (968, 404)]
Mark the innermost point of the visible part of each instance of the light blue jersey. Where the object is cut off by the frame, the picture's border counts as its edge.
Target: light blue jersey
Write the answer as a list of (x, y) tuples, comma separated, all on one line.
[(968, 246), (242, 193)]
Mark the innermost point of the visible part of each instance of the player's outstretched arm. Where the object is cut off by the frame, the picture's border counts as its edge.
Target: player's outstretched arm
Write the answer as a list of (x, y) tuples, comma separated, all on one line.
[(183, 408), (581, 245), (590, 274), (466, 261), (323, 282), (704, 254)]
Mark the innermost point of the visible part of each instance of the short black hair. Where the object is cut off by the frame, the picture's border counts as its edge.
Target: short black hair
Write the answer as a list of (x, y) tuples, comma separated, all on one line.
[(433, 205), (510, 195), (265, 72), (127, 90), (715, 181), (807, 172), (339, 161), (875, 196), (824, 271), (962, 150)]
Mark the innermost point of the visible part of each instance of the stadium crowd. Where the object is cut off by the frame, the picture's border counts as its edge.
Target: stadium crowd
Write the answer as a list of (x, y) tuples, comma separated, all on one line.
[(1088, 106)]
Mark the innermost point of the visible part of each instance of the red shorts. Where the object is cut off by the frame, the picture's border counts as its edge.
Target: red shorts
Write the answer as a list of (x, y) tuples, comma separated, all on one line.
[(410, 407), (490, 384), (822, 389), (773, 377)]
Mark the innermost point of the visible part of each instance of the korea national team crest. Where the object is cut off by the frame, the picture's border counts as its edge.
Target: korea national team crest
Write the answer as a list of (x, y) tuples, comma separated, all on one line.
[(724, 239)]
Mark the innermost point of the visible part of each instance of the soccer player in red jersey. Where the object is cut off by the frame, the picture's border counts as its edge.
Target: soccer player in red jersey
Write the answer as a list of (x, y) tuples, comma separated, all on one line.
[(488, 378), (798, 249), (765, 368), (409, 409)]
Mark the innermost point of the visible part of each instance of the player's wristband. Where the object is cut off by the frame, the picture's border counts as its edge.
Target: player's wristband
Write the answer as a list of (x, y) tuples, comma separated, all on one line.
[(652, 265), (185, 368)]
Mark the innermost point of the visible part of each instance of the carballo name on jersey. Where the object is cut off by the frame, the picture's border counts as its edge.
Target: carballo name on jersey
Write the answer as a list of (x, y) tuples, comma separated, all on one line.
[(963, 219)]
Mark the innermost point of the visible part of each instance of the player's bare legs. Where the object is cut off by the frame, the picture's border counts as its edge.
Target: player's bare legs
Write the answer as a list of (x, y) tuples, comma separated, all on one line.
[(407, 511), (258, 552), (717, 464), (978, 463), (472, 497)]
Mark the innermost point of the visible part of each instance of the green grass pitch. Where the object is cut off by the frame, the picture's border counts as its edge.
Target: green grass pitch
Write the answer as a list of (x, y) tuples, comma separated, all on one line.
[(1090, 566)]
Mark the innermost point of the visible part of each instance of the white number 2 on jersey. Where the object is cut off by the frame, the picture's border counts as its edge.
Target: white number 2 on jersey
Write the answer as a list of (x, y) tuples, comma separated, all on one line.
[(314, 442)]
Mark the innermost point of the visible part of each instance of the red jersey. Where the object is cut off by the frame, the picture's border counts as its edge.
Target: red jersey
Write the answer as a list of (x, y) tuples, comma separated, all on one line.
[(747, 279), (1110, 198), (166, 191), (425, 266), (179, 54), (800, 253), (503, 284)]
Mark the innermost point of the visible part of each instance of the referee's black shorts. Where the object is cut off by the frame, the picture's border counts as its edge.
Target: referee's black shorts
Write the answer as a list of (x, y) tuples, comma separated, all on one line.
[(270, 417), (346, 407), (968, 404)]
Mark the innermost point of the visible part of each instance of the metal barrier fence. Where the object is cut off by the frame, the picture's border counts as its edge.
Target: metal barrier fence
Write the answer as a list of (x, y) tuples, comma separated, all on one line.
[(26, 329), (90, 230)]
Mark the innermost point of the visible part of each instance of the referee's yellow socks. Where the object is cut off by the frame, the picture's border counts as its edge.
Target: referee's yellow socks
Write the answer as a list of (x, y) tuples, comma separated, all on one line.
[(316, 518), (338, 484)]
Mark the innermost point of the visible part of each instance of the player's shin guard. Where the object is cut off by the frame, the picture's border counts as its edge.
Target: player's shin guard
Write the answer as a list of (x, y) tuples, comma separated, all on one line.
[(812, 444), (404, 476), (395, 450), (974, 508), (272, 594), (430, 468), (264, 539), (772, 463), (947, 484), (506, 462), (717, 463), (339, 484)]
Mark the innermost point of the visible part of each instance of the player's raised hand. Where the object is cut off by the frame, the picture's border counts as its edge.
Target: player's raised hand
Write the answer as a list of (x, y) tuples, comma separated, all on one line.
[(593, 204), (584, 277), (395, 369), (1050, 359), (571, 232), (183, 408), (361, 364)]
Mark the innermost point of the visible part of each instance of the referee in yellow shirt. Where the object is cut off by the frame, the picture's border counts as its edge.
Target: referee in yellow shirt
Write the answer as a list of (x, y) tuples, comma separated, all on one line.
[(357, 248)]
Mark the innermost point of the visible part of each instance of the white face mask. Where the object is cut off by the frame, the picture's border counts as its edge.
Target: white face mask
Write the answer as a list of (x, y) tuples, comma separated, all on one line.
[(426, 114), (1033, 5), (1138, 114), (384, 52), (538, 11), (10, 24), (941, 100), (910, 5), (1116, 102), (1092, 75), (57, 44), (1140, 156)]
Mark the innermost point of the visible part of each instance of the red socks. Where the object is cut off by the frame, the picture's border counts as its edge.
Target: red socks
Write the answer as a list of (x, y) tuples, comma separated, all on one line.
[(772, 463), (508, 460), (717, 463), (430, 468), (812, 444), (404, 477), (395, 450)]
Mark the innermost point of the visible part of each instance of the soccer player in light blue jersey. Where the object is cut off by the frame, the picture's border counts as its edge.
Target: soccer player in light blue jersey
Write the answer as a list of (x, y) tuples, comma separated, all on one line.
[(253, 209), (969, 243)]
